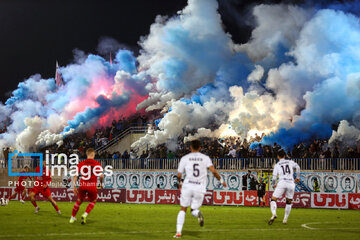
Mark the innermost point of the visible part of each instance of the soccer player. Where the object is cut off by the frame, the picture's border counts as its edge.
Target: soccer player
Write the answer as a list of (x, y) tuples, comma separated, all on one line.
[(285, 170), (20, 189), (41, 185), (88, 182), (195, 165)]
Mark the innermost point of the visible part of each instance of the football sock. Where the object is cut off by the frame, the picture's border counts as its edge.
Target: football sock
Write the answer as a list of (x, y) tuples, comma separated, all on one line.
[(34, 203), (180, 221), (195, 212), (76, 208), (9, 198), (273, 207), (89, 208), (56, 207), (287, 211)]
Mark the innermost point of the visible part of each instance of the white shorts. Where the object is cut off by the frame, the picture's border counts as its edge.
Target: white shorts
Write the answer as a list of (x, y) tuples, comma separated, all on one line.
[(284, 187), (191, 197)]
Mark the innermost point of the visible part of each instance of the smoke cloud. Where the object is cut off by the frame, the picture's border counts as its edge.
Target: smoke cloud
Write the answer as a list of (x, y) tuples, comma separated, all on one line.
[(297, 78)]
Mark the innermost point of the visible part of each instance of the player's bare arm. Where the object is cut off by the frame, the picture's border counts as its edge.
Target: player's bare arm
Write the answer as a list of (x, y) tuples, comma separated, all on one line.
[(297, 168), (217, 175), (179, 179)]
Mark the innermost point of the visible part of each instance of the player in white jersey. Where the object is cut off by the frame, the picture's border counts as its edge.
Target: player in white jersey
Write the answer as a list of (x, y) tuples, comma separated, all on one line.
[(195, 165), (285, 170)]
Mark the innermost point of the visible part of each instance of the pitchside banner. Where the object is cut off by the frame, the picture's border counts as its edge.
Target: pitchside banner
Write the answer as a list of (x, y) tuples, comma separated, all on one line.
[(328, 182), (166, 180), (329, 200), (333, 182), (212, 197), (65, 194)]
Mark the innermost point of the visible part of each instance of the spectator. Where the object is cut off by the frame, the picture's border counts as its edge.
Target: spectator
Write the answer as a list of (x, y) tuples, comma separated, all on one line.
[(133, 155), (245, 180), (115, 156), (232, 153), (126, 155), (276, 149), (327, 153), (259, 151), (261, 187), (170, 155), (253, 183), (316, 185)]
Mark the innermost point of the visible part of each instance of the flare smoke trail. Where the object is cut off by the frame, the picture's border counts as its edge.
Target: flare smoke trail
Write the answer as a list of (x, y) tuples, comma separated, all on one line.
[(296, 79)]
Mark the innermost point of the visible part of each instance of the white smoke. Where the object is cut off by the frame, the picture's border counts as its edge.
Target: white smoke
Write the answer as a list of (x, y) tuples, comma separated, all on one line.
[(47, 137), (346, 135), (275, 24), (27, 138), (184, 52), (184, 118)]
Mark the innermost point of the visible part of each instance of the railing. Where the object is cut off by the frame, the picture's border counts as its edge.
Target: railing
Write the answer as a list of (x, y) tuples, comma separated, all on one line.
[(328, 164), (237, 163), (121, 135)]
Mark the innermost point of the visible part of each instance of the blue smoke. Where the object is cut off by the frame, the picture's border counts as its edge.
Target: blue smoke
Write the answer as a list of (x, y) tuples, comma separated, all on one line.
[(30, 89), (92, 114), (329, 47), (126, 60)]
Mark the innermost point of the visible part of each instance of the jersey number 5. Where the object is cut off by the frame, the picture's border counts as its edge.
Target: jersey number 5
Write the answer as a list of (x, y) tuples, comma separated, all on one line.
[(286, 170), (196, 171)]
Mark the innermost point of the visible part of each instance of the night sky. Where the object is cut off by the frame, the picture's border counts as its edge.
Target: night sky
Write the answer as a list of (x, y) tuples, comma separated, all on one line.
[(36, 33)]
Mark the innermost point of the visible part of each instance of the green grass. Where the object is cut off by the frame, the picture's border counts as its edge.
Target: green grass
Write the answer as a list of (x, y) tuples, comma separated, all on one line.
[(131, 221)]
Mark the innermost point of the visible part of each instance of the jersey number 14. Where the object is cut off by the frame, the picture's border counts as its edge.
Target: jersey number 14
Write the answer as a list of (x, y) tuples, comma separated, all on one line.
[(286, 169)]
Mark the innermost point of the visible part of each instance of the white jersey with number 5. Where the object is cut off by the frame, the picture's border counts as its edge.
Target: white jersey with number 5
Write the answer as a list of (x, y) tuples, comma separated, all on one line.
[(285, 170), (195, 166)]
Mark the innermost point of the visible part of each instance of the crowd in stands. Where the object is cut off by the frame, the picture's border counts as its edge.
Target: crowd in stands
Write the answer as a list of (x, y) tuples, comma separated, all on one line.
[(230, 147)]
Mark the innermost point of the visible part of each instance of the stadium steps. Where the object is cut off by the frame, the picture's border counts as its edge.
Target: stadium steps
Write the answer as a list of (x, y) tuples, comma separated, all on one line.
[(123, 140)]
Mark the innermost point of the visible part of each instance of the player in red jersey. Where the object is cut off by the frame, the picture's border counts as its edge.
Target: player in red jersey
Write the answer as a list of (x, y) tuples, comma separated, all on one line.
[(90, 170), (41, 185), (20, 189)]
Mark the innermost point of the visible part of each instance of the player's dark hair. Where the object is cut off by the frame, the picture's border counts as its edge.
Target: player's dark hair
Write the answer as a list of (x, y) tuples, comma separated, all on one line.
[(195, 144), (233, 177), (281, 154)]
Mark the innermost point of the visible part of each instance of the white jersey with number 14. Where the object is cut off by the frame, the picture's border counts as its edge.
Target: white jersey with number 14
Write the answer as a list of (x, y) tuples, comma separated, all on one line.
[(195, 166), (285, 170)]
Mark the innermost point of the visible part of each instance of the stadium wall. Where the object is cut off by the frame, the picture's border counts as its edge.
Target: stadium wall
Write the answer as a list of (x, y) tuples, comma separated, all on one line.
[(212, 197), (159, 187)]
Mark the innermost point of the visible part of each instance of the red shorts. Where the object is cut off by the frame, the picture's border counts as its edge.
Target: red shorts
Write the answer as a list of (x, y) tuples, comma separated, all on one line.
[(44, 191), (89, 192), (19, 189)]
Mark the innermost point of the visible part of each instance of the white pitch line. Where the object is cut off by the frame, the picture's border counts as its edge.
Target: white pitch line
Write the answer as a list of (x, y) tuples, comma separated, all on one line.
[(305, 225), (139, 232)]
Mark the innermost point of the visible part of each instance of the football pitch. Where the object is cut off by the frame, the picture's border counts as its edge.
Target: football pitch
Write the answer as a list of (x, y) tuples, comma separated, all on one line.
[(131, 221)]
